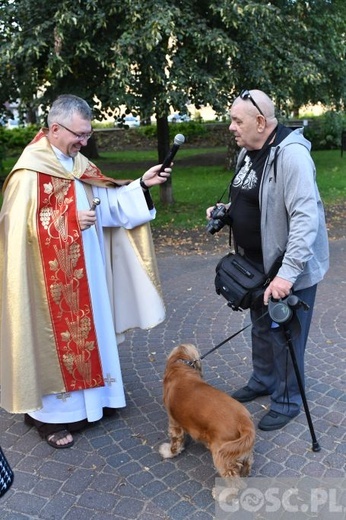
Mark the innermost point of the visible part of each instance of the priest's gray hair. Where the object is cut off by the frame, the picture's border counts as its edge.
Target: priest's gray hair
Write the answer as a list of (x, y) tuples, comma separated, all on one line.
[(66, 105)]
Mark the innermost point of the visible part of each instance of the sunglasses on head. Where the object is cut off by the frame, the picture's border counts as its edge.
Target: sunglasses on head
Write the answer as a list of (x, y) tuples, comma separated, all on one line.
[(245, 94)]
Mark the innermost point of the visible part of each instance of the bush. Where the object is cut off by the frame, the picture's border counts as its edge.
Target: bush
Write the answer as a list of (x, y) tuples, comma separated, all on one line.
[(324, 131), (13, 141)]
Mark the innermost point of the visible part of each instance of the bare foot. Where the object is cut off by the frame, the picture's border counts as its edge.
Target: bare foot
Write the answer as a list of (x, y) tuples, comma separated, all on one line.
[(60, 440)]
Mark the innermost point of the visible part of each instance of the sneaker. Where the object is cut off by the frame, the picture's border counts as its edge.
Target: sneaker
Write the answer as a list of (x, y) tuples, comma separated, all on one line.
[(246, 394), (274, 421)]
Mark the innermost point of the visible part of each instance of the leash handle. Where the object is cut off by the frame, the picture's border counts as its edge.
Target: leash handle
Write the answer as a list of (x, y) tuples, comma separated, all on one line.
[(233, 336)]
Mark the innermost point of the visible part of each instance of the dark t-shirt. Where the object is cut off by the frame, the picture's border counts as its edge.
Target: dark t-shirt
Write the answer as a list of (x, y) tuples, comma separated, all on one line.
[(245, 212)]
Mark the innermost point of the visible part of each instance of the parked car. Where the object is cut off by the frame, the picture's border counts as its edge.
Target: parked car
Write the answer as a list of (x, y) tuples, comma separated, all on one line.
[(127, 122), (13, 123), (9, 123), (178, 118)]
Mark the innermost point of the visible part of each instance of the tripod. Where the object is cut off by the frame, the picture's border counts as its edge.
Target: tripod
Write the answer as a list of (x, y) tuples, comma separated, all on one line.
[(282, 312)]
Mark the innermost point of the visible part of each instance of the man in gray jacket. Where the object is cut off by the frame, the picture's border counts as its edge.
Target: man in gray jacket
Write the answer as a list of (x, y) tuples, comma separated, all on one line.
[(276, 211)]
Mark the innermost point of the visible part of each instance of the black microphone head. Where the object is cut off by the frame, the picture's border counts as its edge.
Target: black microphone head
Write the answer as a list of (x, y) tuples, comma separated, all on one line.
[(179, 139)]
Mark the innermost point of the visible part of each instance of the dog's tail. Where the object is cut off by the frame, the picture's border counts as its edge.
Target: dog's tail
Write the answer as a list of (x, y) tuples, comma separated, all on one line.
[(235, 457)]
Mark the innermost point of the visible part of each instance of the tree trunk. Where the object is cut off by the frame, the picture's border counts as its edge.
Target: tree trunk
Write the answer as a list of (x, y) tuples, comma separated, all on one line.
[(232, 153), (166, 189), (31, 116), (90, 150)]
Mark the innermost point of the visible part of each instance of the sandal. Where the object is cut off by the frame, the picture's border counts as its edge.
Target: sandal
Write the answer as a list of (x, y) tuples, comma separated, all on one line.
[(53, 439)]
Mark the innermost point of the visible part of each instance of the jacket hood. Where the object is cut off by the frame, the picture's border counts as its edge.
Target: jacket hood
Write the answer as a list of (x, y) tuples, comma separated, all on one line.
[(285, 136)]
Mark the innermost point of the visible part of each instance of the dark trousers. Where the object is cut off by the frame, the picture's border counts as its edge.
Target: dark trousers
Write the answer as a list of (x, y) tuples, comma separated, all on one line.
[(272, 364)]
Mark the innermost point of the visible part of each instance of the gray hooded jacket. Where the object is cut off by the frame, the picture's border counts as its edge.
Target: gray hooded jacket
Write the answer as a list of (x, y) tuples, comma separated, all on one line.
[(292, 214)]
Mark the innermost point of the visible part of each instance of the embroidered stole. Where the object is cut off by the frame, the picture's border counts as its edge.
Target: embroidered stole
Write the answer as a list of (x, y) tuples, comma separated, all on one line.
[(67, 289)]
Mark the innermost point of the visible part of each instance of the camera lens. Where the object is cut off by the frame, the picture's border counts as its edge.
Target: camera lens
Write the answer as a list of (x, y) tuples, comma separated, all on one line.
[(279, 311), (214, 226)]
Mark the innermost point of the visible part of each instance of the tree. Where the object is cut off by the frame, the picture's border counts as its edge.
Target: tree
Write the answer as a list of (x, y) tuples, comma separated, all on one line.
[(146, 55), (318, 73), (153, 55)]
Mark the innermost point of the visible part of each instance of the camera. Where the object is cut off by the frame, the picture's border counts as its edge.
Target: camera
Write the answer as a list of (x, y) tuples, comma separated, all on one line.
[(281, 311), (218, 219)]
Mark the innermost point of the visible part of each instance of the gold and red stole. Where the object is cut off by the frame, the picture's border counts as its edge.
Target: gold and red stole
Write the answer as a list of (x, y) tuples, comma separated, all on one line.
[(69, 300)]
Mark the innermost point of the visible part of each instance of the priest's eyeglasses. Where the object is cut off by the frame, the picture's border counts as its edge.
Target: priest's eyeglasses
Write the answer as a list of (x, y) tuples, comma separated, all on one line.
[(80, 137), (245, 94)]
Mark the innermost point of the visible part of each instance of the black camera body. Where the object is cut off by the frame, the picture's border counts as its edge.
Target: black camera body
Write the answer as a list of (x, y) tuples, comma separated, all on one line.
[(281, 311), (218, 219)]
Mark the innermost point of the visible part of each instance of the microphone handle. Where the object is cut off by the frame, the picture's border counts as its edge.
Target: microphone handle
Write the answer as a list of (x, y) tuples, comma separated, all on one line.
[(169, 158)]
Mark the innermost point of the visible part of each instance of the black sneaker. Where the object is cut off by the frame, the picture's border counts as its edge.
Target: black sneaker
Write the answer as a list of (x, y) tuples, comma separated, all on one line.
[(246, 394), (274, 421)]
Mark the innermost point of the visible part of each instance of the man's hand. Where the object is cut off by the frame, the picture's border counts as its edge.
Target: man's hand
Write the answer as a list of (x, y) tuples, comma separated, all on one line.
[(278, 289), (210, 210)]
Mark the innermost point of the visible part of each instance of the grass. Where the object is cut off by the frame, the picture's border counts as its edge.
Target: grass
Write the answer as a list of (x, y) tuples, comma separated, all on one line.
[(151, 155), (197, 187)]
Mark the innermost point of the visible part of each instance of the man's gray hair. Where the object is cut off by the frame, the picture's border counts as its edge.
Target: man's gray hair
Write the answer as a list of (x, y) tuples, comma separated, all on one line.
[(65, 106)]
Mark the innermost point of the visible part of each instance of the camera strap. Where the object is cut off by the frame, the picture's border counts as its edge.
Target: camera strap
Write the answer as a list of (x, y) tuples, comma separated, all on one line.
[(233, 336)]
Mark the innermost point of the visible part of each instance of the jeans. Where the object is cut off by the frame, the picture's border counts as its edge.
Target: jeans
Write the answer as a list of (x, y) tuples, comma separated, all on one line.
[(273, 369)]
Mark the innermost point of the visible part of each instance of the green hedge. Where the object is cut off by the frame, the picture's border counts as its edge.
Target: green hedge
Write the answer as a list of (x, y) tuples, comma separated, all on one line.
[(324, 131), (14, 140)]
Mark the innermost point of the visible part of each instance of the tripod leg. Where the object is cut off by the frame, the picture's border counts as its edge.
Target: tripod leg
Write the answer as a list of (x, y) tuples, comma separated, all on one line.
[(315, 444)]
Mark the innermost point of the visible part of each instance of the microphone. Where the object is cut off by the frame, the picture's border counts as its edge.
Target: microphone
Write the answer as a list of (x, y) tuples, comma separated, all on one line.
[(96, 202), (178, 140)]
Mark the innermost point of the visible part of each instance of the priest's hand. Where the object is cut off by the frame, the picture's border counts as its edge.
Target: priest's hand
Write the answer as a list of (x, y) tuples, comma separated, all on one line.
[(151, 177), (86, 218)]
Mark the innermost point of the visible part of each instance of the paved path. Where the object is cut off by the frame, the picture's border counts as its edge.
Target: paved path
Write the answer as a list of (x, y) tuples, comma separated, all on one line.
[(114, 470)]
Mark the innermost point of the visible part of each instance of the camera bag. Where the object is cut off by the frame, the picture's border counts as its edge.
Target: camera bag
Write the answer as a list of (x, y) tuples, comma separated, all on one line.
[(239, 281)]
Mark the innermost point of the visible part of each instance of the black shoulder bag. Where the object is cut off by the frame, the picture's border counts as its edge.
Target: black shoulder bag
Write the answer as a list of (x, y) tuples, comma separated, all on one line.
[(239, 281)]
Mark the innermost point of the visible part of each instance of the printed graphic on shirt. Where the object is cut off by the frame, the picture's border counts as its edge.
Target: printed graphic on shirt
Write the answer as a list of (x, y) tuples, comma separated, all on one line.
[(245, 180)]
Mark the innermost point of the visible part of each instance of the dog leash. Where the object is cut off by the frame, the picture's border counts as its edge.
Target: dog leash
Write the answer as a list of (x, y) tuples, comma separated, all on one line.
[(233, 336)]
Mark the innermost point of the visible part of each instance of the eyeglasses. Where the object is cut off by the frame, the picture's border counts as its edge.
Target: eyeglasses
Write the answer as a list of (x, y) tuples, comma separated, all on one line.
[(80, 137), (245, 94)]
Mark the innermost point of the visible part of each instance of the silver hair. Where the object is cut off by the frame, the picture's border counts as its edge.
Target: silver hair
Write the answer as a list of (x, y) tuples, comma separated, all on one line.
[(65, 106)]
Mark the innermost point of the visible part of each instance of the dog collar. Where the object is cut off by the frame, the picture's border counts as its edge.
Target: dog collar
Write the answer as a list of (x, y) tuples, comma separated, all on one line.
[(189, 363)]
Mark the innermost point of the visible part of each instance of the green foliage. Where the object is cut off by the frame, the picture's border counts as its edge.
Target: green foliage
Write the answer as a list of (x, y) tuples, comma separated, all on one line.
[(98, 124), (152, 55), (325, 131), (13, 141)]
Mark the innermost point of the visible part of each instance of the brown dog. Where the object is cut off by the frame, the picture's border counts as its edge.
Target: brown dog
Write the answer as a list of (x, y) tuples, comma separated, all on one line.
[(207, 414)]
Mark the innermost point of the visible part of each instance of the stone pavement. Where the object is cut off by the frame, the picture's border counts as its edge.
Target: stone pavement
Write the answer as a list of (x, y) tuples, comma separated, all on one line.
[(114, 470)]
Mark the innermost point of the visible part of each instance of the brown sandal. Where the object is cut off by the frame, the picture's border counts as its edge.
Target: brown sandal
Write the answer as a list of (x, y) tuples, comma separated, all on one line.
[(53, 439), (50, 432)]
